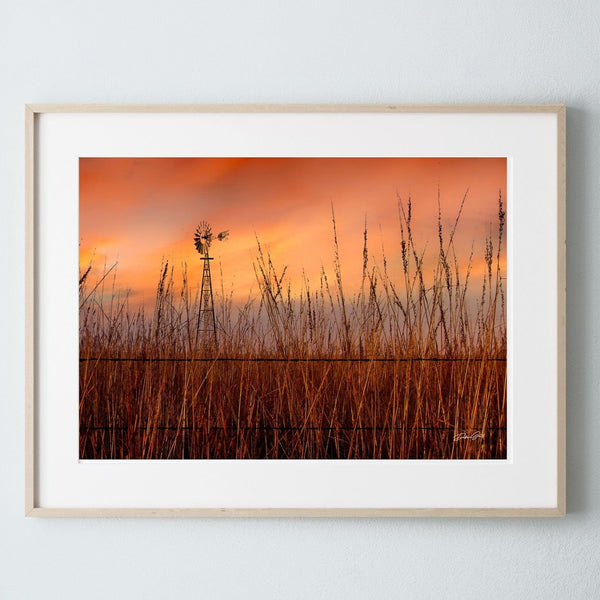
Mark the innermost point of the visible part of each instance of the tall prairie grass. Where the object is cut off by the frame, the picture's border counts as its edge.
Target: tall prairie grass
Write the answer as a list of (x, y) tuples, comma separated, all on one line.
[(411, 366)]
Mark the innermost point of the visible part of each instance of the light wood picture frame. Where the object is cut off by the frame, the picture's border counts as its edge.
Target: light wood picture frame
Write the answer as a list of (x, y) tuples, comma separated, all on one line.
[(523, 473)]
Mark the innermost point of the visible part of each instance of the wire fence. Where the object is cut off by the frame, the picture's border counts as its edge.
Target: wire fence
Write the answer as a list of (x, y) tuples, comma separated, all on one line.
[(274, 428), (283, 359)]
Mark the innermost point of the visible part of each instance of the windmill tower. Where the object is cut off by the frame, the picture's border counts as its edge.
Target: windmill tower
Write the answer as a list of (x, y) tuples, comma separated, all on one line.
[(207, 327)]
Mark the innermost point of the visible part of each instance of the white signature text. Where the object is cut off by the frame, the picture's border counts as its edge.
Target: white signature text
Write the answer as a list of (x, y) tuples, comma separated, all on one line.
[(468, 436)]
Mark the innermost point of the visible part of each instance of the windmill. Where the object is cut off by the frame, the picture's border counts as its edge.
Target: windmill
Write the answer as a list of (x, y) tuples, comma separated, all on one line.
[(207, 328)]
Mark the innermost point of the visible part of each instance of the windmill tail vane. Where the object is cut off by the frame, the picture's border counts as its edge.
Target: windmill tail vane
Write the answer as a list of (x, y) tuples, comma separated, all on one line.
[(207, 328)]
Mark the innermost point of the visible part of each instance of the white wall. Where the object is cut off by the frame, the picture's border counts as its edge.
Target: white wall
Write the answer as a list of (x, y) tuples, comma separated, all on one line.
[(324, 51)]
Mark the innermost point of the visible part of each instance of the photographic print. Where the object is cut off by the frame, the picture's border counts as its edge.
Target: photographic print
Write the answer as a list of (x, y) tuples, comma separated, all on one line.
[(292, 308)]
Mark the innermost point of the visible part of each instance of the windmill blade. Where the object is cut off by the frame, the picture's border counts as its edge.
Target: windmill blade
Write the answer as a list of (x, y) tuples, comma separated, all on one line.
[(199, 247), (200, 241), (204, 227)]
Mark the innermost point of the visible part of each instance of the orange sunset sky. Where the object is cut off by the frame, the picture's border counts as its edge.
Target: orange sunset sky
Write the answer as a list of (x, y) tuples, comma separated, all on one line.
[(138, 211)]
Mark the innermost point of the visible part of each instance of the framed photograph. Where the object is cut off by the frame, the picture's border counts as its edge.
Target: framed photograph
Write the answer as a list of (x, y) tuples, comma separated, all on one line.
[(295, 310)]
